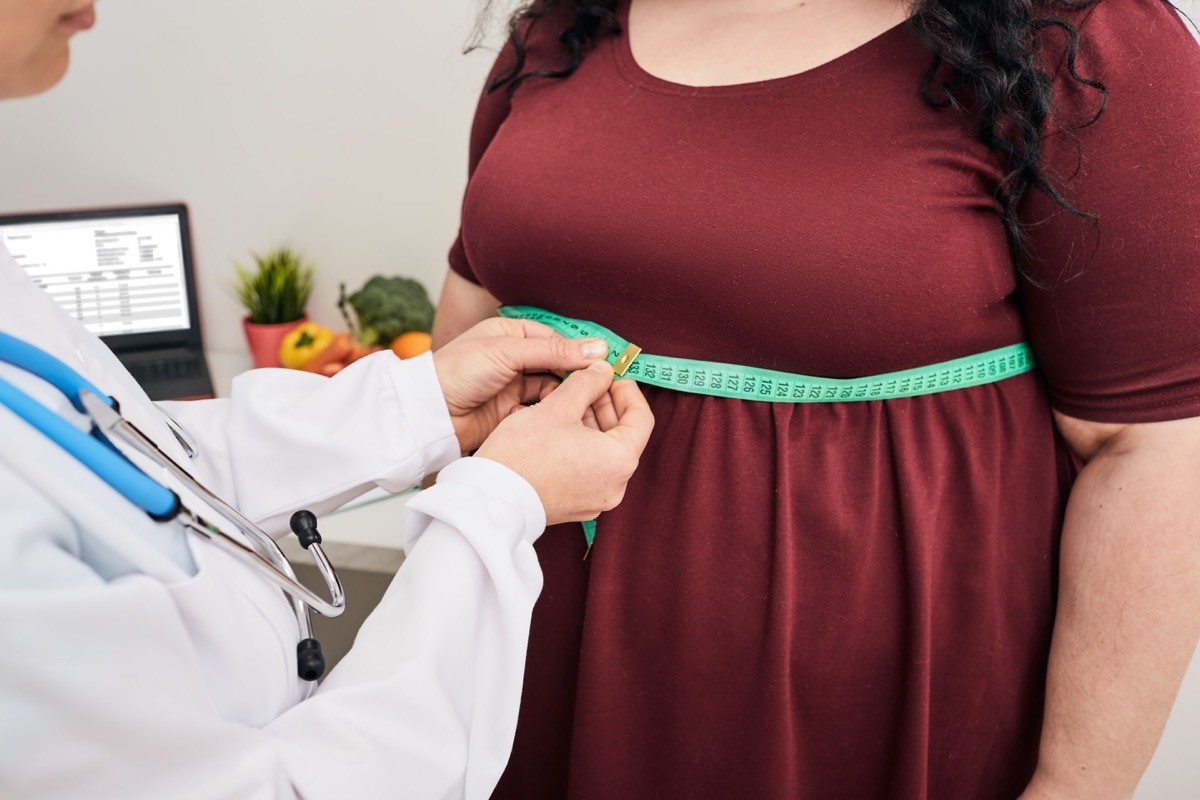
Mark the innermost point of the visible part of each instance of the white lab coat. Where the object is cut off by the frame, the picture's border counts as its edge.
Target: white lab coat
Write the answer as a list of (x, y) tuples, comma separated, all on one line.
[(142, 663)]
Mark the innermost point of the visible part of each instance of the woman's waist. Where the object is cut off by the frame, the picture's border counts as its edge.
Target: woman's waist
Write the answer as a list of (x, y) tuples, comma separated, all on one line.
[(974, 360)]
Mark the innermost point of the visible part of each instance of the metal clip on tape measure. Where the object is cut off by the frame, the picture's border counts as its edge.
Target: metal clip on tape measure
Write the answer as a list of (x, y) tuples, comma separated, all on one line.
[(763, 385)]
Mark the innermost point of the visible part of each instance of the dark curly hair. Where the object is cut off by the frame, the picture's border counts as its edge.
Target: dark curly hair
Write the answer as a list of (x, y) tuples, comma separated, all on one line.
[(984, 59)]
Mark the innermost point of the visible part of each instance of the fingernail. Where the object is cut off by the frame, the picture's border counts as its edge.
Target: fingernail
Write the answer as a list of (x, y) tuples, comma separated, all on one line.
[(594, 348), (600, 366)]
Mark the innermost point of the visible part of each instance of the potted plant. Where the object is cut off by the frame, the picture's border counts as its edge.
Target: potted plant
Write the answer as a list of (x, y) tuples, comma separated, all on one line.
[(275, 294)]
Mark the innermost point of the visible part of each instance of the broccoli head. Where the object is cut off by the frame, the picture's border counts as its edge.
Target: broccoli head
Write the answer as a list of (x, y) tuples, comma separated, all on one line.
[(385, 308)]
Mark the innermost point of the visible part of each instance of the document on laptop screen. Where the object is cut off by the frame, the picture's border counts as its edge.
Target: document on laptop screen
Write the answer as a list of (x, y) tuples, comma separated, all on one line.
[(116, 275)]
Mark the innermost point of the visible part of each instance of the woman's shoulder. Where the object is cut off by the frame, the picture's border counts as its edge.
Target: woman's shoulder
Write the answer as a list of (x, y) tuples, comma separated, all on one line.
[(536, 42), (1117, 48), (1116, 33)]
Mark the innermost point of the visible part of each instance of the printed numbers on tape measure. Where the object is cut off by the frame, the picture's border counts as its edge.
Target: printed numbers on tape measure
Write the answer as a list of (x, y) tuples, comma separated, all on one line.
[(750, 383)]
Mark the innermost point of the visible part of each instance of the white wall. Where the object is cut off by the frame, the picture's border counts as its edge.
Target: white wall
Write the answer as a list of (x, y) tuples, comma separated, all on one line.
[(1174, 772), (340, 127), (1190, 8)]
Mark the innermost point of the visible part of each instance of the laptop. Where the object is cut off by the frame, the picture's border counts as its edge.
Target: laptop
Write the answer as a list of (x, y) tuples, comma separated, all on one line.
[(127, 275)]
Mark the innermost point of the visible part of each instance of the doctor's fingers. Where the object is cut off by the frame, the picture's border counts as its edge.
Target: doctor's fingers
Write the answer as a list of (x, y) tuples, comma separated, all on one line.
[(605, 412), (551, 354), (635, 420), (539, 387), (581, 390), (557, 353), (625, 423), (615, 405), (536, 386)]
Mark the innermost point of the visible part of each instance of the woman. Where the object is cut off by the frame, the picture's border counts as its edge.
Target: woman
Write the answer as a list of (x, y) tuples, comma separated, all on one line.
[(145, 662), (982, 593)]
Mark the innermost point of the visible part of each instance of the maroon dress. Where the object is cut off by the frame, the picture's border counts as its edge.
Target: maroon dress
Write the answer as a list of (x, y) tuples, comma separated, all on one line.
[(844, 600)]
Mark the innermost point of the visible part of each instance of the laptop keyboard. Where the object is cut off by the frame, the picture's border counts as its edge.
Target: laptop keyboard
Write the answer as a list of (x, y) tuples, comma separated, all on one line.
[(164, 370)]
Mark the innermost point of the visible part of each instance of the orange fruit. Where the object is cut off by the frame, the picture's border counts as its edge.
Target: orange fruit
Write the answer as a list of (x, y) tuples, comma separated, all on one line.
[(410, 344)]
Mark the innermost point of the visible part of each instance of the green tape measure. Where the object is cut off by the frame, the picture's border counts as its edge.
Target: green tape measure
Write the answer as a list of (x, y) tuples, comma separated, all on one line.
[(764, 385), (752, 383)]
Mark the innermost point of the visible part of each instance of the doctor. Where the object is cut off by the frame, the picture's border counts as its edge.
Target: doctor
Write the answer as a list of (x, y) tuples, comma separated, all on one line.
[(141, 661)]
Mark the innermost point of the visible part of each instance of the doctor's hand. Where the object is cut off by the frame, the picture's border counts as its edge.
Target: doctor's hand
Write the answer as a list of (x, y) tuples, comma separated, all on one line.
[(579, 446), (500, 364)]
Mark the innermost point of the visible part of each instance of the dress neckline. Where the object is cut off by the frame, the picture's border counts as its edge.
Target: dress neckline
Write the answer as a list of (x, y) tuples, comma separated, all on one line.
[(632, 71)]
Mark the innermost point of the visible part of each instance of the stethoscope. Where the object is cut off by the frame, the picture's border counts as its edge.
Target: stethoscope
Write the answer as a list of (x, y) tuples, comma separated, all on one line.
[(95, 450)]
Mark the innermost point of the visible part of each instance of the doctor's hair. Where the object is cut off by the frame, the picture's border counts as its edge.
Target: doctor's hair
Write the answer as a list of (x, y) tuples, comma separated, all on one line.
[(985, 65)]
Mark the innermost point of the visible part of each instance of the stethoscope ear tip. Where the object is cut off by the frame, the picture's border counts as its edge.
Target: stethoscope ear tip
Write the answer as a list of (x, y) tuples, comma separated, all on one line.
[(304, 524), (310, 661)]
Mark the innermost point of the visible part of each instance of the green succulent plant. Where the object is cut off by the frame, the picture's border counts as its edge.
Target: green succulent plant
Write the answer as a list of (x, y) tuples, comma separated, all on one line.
[(277, 289)]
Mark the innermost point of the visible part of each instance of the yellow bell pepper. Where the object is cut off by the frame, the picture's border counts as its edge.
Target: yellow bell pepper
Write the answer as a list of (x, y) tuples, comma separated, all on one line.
[(301, 344)]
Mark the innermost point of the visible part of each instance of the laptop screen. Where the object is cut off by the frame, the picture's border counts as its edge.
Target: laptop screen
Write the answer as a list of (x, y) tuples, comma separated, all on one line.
[(124, 273)]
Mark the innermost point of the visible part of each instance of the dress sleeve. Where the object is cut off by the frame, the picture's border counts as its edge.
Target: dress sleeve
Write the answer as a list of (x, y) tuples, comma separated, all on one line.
[(490, 114), (542, 53), (1112, 306)]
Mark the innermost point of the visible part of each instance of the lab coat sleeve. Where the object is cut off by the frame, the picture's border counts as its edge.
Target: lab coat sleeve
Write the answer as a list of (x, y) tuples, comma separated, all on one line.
[(104, 695), (288, 439), (425, 703)]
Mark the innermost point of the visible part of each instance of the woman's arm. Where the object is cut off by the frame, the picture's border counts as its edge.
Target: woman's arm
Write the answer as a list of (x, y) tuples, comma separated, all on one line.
[(461, 305), (1128, 605)]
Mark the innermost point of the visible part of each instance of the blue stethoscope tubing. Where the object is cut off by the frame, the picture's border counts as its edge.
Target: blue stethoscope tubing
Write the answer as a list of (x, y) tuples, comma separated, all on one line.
[(158, 501)]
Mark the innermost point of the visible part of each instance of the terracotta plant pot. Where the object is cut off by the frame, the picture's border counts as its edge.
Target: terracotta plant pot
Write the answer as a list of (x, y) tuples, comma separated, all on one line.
[(264, 340)]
